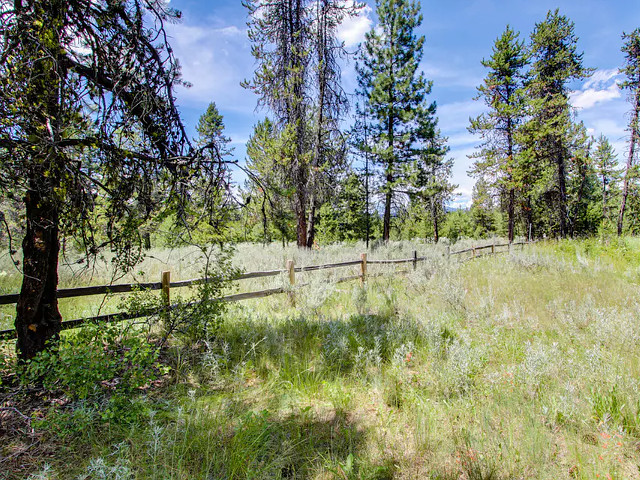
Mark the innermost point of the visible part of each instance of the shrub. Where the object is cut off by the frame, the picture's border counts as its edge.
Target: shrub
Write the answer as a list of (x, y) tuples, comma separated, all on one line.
[(95, 360)]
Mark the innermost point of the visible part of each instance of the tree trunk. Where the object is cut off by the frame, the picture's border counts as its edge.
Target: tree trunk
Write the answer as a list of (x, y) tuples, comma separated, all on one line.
[(386, 227), (434, 219), (562, 187), (529, 217), (632, 145), (301, 228), (38, 320), (512, 192), (511, 213), (311, 222)]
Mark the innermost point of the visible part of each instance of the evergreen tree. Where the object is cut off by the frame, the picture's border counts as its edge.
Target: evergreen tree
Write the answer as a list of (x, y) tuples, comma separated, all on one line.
[(395, 94), (210, 204), (268, 151), (344, 218), (432, 182), (87, 117), (582, 184), (330, 100), (503, 93), (483, 210), (361, 140), (631, 49), (556, 62), (298, 79), (281, 34), (606, 165)]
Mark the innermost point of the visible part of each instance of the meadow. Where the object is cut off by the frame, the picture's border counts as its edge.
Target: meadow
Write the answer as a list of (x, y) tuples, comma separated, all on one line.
[(522, 365)]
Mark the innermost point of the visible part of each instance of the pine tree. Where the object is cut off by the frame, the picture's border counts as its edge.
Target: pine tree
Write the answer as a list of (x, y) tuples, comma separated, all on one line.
[(503, 93), (556, 62), (432, 182), (87, 117), (298, 79), (268, 153), (582, 183), (281, 34), (606, 164), (396, 94), (360, 137), (631, 49), (330, 100), (210, 205), (343, 218)]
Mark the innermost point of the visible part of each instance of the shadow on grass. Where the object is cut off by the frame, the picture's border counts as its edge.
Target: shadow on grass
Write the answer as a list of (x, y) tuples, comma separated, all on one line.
[(263, 445), (299, 347)]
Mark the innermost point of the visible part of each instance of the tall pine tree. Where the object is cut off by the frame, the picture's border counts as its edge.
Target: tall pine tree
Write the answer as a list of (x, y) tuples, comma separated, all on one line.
[(556, 62), (503, 93), (631, 49), (606, 165), (395, 94)]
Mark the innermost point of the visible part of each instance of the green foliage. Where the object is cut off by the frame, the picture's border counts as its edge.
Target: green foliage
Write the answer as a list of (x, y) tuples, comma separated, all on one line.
[(343, 218), (95, 361), (630, 186), (548, 132), (497, 161), (396, 96), (458, 224), (198, 317)]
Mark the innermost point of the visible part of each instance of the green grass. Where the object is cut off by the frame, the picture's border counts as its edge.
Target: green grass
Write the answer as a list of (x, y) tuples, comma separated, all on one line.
[(515, 366)]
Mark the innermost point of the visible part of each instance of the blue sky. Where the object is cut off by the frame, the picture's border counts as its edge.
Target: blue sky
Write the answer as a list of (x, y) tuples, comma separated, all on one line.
[(212, 46)]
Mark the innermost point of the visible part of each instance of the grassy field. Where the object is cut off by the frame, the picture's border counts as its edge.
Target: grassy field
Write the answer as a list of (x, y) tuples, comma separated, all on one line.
[(188, 262), (515, 366)]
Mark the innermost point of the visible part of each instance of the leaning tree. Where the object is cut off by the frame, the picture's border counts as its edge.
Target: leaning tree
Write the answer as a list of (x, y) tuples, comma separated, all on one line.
[(631, 70), (87, 119)]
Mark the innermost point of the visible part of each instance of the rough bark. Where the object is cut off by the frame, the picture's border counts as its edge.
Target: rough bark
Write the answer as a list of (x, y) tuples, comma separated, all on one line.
[(512, 192), (434, 219), (562, 197), (38, 320), (632, 145), (386, 228)]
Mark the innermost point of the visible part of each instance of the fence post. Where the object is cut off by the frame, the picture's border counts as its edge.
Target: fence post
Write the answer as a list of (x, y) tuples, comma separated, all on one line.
[(448, 251), (166, 283), (292, 280), (415, 259), (493, 247), (474, 251), (363, 268)]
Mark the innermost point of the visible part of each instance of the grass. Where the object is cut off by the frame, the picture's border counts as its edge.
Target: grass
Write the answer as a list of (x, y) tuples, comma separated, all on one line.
[(516, 366), (186, 263)]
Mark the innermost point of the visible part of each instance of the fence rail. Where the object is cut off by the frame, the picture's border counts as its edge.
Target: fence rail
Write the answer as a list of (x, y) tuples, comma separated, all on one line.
[(166, 285)]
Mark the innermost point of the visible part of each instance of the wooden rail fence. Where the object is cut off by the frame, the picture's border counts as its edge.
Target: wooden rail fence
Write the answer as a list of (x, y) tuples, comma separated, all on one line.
[(165, 284)]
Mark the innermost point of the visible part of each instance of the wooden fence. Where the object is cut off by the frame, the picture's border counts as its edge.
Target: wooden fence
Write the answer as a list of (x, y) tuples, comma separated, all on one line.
[(165, 284)]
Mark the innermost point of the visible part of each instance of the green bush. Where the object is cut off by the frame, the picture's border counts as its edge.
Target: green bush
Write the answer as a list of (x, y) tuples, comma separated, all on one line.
[(96, 360)]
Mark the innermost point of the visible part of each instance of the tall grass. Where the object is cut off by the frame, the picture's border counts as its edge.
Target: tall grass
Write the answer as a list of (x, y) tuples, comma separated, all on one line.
[(516, 366)]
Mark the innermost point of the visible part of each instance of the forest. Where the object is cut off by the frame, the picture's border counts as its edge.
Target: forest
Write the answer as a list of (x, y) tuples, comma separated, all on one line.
[(489, 341)]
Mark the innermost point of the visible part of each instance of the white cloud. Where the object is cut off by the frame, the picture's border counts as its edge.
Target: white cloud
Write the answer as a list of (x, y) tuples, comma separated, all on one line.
[(352, 29), (463, 139), (600, 78), (214, 60), (601, 87), (591, 96), (462, 199)]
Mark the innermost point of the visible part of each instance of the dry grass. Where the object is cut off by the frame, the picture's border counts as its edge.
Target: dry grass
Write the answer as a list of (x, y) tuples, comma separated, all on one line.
[(515, 366)]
